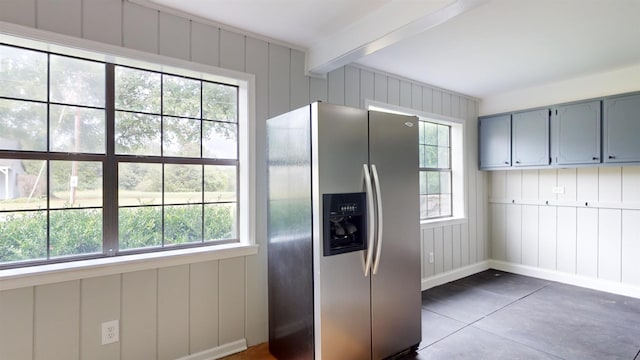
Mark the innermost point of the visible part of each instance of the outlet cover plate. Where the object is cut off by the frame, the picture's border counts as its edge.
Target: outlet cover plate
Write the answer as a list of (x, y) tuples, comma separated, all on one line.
[(558, 189), (110, 332)]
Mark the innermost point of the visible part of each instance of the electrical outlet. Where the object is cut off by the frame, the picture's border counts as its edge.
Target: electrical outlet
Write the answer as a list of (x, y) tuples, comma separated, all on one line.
[(558, 189), (110, 332), (431, 258)]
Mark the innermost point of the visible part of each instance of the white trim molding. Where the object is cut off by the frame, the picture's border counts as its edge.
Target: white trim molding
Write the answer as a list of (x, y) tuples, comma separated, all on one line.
[(218, 351), (456, 274)]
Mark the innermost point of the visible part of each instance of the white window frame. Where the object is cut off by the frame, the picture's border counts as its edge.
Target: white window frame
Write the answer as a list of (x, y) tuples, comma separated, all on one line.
[(458, 160), (73, 270)]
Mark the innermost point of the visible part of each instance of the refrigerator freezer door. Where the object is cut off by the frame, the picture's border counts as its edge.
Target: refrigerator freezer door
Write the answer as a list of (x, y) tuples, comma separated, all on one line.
[(395, 288)]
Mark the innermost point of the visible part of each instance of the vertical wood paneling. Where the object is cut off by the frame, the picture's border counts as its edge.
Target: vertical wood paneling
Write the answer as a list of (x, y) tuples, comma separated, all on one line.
[(174, 36), (405, 94), (630, 247), (530, 185), (140, 28), (513, 185), (530, 235), (513, 228), (437, 102), (279, 82), (393, 91), (57, 315), (427, 100), (464, 244), (547, 242), (609, 244), (587, 242), (232, 50), (232, 300), (139, 320), (318, 89), (205, 44), (100, 303), (203, 302), (61, 16), (456, 245), (173, 312), (567, 179), (427, 247), (352, 86), (446, 104), (587, 184), (102, 21), (610, 185), (455, 106), (567, 238), (498, 230), (366, 86), (22, 12), (335, 81), (547, 180), (380, 87), (630, 182), (447, 241), (498, 185), (416, 97), (16, 324), (482, 238), (299, 82), (438, 250)]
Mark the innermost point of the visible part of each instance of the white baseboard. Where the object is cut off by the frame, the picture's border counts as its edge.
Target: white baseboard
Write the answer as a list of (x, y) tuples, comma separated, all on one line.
[(218, 351), (566, 278), (455, 274)]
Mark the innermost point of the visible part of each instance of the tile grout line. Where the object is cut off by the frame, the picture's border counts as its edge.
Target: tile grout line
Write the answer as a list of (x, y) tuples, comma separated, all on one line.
[(637, 355)]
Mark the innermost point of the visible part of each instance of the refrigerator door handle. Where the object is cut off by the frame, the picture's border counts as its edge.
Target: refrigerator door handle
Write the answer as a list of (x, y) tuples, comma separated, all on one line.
[(371, 219), (376, 182)]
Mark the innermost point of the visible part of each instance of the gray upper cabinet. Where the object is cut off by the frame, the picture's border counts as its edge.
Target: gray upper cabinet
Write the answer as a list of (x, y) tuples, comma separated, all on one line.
[(495, 142), (530, 137), (622, 129), (576, 133)]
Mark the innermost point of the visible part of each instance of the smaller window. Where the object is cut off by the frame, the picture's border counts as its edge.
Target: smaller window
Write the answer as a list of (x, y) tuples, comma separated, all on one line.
[(435, 170)]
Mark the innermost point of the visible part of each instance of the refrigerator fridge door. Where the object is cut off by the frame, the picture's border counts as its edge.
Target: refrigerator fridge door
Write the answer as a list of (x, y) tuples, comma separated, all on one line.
[(395, 285), (341, 296)]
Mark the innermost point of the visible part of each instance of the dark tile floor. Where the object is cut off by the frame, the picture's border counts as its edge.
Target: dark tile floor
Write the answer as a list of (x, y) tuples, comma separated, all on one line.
[(498, 315)]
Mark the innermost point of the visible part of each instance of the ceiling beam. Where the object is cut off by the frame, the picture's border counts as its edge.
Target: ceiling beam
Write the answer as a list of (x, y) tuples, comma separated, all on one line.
[(386, 26)]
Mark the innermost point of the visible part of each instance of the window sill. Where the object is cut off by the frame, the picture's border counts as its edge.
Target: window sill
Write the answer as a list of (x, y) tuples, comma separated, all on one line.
[(75, 270), (429, 224)]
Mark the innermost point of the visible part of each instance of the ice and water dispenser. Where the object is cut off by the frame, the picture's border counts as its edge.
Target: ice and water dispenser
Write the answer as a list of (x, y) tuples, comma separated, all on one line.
[(344, 222)]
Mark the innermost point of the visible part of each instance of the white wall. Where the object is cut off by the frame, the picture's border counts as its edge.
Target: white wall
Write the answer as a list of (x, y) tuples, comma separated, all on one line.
[(170, 312)]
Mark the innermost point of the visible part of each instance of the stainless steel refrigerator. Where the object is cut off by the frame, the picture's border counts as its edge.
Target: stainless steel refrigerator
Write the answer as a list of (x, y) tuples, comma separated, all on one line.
[(343, 234)]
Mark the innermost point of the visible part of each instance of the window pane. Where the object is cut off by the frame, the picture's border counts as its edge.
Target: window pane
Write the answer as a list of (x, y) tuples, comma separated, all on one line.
[(219, 102), (219, 183), (75, 232), (139, 184), (443, 157), (140, 227), (182, 224), (422, 137), (182, 184), (445, 182), (23, 73), (433, 182), (433, 205), (431, 156), (137, 90), (23, 236), (77, 82), (23, 184), (75, 184), (443, 135), (423, 182), (220, 221), (220, 140), (421, 152), (77, 130), (137, 134), (423, 207), (431, 133), (23, 125), (180, 96), (445, 205), (181, 137)]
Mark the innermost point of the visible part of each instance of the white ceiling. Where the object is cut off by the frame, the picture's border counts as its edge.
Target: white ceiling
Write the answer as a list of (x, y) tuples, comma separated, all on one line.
[(475, 47)]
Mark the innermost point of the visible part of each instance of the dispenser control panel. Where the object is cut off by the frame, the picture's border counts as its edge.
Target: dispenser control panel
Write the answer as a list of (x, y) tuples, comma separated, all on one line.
[(344, 223)]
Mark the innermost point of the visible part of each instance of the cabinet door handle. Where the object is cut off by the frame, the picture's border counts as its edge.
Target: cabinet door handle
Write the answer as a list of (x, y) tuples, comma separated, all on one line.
[(517, 161), (612, 156), (506, 163), (594, 158)]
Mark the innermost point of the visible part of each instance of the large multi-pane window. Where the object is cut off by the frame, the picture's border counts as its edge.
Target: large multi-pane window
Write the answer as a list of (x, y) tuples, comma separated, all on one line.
[(435, 170), (99, 159)]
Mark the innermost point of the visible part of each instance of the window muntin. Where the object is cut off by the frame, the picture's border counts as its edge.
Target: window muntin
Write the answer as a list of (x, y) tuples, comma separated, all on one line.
[(62, 154), (435, 170)]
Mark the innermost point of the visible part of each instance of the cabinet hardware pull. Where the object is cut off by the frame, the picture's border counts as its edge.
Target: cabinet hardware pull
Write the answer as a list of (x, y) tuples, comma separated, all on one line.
[(506, 163), (594, 158), (612, 156), (517, 161)]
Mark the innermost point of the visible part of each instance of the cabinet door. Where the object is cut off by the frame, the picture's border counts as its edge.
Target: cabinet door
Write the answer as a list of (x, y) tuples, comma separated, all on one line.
[(577, 137), (622, 129), (495, 142), (531, 138)]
